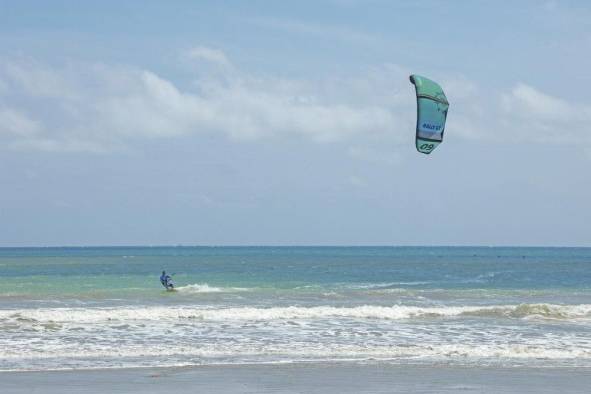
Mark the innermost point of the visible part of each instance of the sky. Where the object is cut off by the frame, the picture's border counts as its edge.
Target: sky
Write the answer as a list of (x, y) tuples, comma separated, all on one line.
[(293, 123)]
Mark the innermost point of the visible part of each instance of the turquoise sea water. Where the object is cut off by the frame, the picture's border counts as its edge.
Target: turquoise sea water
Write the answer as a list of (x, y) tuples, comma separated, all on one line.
[(104, 307)]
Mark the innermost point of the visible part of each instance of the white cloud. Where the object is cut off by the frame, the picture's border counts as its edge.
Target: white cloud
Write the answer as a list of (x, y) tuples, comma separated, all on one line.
[(522, 114), (17, 124), (540, 116), (101, 107), (36, 80), (211, 55), (526, 101), (244, 109)]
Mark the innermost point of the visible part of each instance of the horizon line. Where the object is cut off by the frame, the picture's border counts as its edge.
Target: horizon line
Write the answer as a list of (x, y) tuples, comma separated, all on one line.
[(287, 246)]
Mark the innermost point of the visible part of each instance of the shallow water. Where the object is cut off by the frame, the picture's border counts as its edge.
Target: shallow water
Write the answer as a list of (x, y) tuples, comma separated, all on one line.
[(104, 307)]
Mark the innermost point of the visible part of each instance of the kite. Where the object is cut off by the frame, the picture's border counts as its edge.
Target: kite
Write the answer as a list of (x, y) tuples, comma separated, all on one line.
[(432, 108)]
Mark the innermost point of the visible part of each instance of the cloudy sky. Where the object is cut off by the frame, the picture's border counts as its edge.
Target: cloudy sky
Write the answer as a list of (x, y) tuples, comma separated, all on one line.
[(264, 122)]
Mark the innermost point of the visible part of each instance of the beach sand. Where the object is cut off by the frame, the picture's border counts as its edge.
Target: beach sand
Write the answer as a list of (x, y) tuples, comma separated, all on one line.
[(302, 378)]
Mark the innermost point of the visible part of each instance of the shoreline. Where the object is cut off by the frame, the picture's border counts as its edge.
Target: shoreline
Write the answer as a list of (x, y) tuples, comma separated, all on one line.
[(302, 378)]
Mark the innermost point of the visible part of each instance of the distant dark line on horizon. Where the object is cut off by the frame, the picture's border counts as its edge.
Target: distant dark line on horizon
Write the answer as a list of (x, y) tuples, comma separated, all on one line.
[(286, 246)]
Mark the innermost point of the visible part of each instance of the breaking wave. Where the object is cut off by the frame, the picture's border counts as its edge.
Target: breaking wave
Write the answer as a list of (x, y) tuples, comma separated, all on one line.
[(205, 288), (397, 312), (237, 353)]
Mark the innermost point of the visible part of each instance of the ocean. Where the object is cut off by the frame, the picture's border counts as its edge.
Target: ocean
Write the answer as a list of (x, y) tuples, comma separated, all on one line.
[(104, 307)]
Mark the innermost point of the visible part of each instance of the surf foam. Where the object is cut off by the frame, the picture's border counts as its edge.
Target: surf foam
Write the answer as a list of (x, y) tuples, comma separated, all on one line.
[(397, 312)]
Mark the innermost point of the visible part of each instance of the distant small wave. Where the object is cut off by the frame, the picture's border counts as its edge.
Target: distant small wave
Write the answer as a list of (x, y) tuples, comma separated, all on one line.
[(487, 277), (205, 288), (387, 286)]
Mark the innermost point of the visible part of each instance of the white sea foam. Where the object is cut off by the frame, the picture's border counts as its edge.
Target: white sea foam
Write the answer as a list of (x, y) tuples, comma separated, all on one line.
[(318, 350), (397, 312), (60, 357), (46, 338), (205, 288), (385, 286)]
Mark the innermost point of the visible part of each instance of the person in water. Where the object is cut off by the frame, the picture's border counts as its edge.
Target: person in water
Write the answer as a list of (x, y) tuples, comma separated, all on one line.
[(166, 281)]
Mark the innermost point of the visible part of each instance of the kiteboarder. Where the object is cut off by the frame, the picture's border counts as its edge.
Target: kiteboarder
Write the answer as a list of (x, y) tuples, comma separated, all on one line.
[(166, 281)]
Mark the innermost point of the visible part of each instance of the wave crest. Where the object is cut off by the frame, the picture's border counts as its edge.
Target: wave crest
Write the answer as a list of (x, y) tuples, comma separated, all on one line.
[(205, 288), (397, 312)]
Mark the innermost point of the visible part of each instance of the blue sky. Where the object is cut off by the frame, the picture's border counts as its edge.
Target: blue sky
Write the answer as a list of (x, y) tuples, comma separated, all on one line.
[(263, 122)]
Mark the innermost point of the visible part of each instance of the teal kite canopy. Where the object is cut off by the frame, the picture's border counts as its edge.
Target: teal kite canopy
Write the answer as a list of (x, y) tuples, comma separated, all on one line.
[(432, 108)]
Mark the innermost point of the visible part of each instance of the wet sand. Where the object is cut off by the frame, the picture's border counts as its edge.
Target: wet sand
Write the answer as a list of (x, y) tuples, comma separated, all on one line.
[(302, 378)]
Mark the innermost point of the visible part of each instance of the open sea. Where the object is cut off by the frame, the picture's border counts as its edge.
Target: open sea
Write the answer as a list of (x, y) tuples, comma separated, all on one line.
[(104, 307)]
